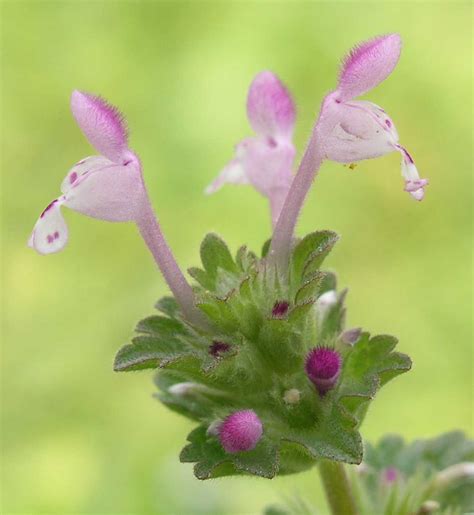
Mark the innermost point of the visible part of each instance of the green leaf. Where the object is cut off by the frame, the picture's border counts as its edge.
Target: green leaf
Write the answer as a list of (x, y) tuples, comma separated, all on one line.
[(310, 252), (266, 247), (168, 306), (420, 466), (334, 438), (309, 288), (148, 352), (215, 254), (212, 461), (367, 366), (187, 405), (201, 277), (160, 326)]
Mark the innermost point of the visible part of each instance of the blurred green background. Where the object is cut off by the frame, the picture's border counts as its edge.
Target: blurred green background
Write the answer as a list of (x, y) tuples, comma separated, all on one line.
[(81, 439)]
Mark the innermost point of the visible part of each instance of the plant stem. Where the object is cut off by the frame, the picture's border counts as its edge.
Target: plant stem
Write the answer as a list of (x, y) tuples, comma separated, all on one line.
[(337, 488), (285, 226), (150, 231), (313, 157)]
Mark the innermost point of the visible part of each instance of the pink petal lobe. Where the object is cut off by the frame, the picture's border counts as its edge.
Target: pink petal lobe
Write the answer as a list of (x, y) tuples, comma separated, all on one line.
[(232, 173), (113, 193), (50, 233), (102, 124), (367, 65), (414, 185), (270, 108)]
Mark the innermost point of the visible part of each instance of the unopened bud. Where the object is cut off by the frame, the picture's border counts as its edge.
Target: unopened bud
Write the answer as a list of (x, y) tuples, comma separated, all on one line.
[(183, 388), (292, 396), (217, 348), (324, 303), (213, 429), (390, 475), (240, 431), (428, 507), (351, 336), (323, 366), (280, 309)]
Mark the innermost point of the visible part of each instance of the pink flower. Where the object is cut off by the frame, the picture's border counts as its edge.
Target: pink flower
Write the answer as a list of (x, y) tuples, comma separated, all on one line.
[(265, 160), (363, 130), (108, 187)]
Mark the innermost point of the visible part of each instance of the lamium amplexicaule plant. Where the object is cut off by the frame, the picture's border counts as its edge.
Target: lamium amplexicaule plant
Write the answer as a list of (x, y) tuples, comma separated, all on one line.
[(255, 350)]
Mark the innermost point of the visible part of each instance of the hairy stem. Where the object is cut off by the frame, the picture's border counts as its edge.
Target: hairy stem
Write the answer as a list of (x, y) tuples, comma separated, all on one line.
[(337, 488), (310, 163), (285, 226), (150, 231)]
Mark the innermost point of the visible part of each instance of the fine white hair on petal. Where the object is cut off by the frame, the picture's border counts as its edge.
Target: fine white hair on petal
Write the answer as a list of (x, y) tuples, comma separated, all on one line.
[(102, 124), (50, 233), (367, 65)]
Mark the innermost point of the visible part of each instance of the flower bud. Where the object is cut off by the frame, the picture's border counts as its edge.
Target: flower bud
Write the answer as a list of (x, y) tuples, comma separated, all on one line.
[(217, 348), (240, 431), (390, 475), (181, 389), (280, 309), (351, 336), (428, 506), (324, 303), (323, 366), (292, 396)]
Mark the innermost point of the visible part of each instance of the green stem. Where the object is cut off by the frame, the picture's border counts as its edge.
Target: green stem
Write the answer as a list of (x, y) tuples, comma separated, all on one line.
[(337, 488)]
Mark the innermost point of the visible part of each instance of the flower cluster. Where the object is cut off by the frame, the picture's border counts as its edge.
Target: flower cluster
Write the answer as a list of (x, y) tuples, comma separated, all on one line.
[(256, 351)]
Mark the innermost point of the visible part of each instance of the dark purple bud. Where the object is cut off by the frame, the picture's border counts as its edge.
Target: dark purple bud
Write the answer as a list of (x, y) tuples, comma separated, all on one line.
[(280, 309), (217, 349), (323, 366), (240, 431)]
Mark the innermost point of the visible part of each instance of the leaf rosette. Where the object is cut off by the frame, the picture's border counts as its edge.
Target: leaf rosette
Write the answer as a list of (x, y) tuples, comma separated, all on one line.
[(261, 325)]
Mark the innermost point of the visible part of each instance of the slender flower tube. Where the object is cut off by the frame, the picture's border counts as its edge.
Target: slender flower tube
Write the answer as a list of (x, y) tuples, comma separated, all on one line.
[(265, 160), (109, 187), (346, 131)]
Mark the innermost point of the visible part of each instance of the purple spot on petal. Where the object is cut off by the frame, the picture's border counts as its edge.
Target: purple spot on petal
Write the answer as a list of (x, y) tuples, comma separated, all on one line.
[(388, 122), (50, 238), (56, 235), (271, 142), (73, 177), (48, 207)]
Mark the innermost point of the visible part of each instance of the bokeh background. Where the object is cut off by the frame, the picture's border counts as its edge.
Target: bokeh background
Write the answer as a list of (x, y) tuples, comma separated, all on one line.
[(81, 439)]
